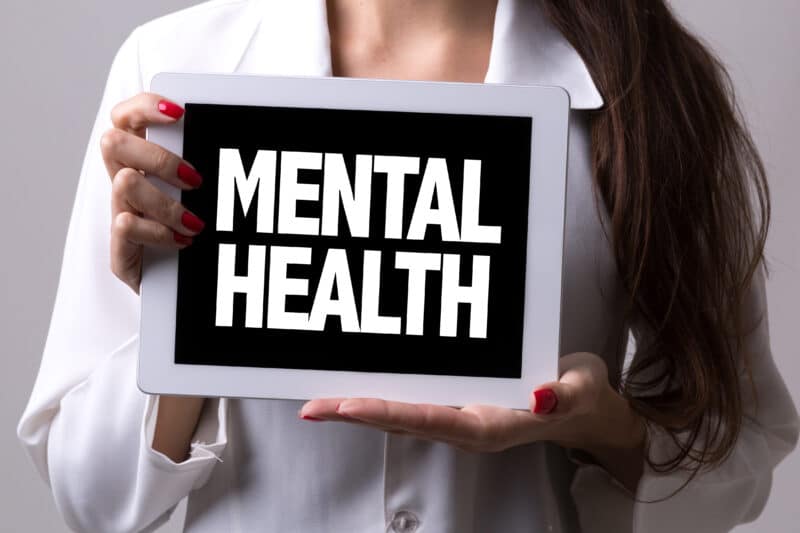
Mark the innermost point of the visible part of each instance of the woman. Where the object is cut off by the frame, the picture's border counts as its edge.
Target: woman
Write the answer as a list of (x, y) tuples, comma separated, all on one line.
[(662, 241)]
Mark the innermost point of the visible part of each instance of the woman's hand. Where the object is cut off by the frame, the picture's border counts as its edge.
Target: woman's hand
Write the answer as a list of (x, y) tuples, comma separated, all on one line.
[(141, 213), (581, 411)]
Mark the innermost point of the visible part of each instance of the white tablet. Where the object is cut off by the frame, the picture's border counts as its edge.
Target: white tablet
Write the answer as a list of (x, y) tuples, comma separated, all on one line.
[(364, 238)]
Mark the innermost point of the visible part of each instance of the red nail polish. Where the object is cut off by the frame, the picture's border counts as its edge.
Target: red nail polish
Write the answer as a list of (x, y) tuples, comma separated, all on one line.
[(181, 239), (189, 175), (313, 418), (192, 222), (171, 110), (546, 401)]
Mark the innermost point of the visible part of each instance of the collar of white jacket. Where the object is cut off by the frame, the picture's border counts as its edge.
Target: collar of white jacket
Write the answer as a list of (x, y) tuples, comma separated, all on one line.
[(292, 38)]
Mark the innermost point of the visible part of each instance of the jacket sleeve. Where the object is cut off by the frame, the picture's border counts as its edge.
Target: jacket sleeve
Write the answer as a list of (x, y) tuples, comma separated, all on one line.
[(87, 426), (715, 500)]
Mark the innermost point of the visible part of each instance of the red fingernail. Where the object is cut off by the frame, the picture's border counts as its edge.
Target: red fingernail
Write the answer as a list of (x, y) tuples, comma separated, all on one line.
[(192, 222), (171, 110), (189, 175), (181, 239), (313, 418), (546, 401)]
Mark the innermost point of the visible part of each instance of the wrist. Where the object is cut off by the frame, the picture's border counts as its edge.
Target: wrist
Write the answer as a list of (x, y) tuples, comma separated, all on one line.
[(614, 424), (176, 421), (617, 439)]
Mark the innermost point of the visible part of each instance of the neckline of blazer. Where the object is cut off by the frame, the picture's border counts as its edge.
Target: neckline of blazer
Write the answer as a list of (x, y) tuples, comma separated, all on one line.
[(292, 38)]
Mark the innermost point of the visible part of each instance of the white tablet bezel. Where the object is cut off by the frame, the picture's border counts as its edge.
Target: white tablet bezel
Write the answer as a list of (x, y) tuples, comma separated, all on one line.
[(549, 108)]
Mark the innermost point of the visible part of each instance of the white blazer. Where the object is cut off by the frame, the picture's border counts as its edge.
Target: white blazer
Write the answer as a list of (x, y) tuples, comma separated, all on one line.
[(254, 465)]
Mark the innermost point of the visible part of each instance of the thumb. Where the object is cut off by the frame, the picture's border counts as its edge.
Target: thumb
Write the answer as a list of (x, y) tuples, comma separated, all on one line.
[(552, 398)]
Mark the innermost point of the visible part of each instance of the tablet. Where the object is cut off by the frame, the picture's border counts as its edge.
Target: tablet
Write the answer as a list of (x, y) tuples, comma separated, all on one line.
[(364, 238)]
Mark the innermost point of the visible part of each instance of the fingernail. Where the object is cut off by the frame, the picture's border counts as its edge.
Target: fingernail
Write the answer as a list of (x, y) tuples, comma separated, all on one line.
[(546, 401), (189, 175), (171, 110), (181, 239), (192, 222), (312, 418)]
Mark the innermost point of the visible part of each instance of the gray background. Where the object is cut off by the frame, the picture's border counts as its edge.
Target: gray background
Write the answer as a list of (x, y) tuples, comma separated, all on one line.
[(54, 57)]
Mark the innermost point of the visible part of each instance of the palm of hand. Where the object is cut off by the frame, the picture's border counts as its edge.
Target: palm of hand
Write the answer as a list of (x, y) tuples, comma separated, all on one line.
[(574, 402)]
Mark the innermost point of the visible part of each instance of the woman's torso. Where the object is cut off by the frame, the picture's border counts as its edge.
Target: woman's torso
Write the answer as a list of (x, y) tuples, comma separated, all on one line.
[(279, 473)]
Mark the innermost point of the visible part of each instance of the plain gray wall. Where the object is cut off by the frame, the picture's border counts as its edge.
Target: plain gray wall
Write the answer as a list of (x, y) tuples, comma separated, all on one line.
[(54, 57)]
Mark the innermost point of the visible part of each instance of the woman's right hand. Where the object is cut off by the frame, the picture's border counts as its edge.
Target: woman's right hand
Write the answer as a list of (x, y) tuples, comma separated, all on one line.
[(141, 214)]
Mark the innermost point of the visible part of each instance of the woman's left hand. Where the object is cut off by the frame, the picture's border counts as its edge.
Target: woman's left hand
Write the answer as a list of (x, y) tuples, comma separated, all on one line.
[(581, 410)]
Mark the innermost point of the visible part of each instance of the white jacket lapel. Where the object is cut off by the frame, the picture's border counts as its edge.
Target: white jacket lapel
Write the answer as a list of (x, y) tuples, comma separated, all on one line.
[(291, 38), (529, 50)]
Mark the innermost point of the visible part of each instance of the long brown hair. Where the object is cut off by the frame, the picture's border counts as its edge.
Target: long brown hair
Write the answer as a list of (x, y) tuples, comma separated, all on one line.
[(689, 210)]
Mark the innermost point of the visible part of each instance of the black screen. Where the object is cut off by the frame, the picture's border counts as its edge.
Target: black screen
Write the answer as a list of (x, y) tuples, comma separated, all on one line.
[(443, 145)]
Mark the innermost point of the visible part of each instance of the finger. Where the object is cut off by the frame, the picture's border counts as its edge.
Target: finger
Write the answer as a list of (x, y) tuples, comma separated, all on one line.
[(322, 409), (582, 376), (134, 230), (135, 114), (433, 421), (497, 428), (472, 428), (582, 365), (128, 233), (122, 149), (553, 398), (126, 259), (325, 409), (131, 191)]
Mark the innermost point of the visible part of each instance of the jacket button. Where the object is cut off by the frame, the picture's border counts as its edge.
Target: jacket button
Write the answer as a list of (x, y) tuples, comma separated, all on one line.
[(404, 522)]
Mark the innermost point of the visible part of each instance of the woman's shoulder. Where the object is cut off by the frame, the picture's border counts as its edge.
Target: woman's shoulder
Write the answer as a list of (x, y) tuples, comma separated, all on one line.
[(208, 37)]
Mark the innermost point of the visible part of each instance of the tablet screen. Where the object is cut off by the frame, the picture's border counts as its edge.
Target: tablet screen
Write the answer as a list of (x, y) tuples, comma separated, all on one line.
[(372, 241)]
